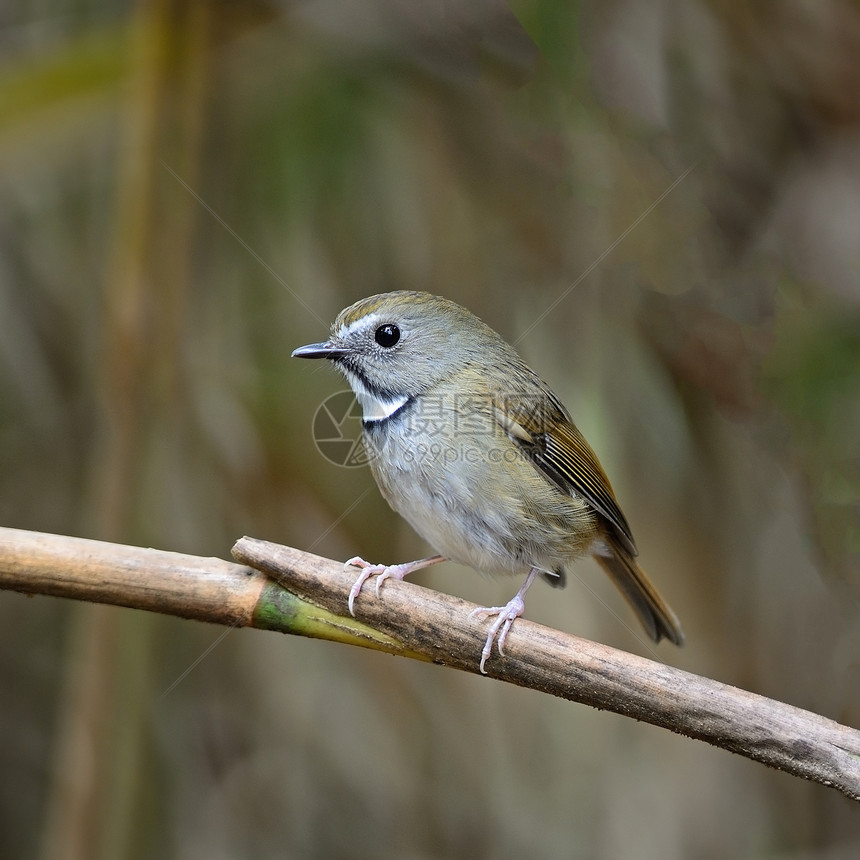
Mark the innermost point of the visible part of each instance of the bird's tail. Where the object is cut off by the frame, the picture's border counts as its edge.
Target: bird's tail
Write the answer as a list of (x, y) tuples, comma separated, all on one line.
[(656, 616)]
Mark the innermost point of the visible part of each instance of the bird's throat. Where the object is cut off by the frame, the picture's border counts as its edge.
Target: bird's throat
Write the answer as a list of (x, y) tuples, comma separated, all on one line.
[(374, 407)]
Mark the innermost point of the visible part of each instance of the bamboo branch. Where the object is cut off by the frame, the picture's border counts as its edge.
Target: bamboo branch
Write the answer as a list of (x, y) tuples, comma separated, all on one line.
[(205, 589), (306, 595)]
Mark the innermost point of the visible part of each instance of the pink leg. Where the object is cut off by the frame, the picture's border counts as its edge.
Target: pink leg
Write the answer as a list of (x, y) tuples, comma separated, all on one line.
[(506, 615), (383, 572)]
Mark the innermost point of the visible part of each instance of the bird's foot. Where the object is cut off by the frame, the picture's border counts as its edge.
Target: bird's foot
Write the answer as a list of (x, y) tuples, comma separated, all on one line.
[(505, 617), (382, 572)]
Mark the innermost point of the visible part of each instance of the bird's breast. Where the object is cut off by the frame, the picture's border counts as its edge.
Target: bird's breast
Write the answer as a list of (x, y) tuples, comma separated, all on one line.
[(473, 494)]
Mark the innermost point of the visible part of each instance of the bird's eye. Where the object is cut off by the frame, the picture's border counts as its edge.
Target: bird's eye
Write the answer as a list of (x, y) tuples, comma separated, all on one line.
[(387, 335)]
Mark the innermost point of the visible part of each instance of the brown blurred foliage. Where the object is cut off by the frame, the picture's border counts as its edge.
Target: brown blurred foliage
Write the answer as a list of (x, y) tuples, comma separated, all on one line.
[(190, 190)]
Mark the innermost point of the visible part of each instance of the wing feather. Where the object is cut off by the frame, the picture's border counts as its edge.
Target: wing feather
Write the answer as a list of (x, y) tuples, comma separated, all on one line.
[(543, 429)]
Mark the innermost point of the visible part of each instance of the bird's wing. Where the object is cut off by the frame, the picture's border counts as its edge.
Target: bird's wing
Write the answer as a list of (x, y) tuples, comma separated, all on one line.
[(543, 430)]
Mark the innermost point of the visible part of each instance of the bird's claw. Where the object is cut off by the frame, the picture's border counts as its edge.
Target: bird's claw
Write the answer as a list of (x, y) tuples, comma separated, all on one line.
[(380, 571), (367, 570), (505, 617), (383, 572)]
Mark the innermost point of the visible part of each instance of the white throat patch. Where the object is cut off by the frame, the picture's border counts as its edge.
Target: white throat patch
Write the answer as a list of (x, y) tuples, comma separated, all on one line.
[(372, 407)]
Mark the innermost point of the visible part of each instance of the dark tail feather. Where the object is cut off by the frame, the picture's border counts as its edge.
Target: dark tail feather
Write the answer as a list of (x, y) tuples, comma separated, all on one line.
[(657, 618)]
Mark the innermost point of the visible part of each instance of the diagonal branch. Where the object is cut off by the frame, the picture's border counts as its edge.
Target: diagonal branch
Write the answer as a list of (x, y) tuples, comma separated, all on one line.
[(306, 595)]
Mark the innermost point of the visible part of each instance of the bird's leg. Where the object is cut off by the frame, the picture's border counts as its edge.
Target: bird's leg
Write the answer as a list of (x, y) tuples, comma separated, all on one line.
[(383, 572), (505, 616)]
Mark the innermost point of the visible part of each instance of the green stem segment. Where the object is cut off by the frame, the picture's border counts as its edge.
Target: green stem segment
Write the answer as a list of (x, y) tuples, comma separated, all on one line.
[(281, 610)]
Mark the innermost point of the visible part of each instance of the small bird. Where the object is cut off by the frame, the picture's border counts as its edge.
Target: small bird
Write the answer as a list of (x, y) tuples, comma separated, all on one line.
[(472, 448)]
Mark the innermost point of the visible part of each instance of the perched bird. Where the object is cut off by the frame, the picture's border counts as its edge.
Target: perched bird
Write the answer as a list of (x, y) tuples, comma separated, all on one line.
[(474, 450)]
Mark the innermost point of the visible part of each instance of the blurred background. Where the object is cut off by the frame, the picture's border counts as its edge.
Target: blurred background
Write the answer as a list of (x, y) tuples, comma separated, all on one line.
[(659, 202)]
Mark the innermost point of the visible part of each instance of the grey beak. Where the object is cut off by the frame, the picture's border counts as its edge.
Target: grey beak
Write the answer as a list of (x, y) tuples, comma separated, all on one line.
[(320, 350)]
